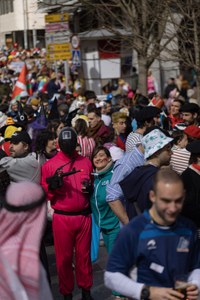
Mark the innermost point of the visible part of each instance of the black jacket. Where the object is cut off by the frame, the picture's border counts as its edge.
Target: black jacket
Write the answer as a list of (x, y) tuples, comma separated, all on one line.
[(136, 186)]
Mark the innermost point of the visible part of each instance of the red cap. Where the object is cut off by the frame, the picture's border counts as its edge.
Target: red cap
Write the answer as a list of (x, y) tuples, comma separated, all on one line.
[(193, 131)]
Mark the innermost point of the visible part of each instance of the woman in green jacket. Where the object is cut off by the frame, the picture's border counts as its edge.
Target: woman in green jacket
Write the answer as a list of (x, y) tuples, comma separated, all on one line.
[(103, 216)]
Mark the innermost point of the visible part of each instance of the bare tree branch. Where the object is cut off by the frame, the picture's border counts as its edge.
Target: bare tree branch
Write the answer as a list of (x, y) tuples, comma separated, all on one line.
[(141, 25)]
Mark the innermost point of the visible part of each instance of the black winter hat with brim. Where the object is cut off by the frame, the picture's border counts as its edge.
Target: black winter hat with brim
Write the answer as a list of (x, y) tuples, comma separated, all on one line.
[(20, 136), (190, 107), (147, 113)]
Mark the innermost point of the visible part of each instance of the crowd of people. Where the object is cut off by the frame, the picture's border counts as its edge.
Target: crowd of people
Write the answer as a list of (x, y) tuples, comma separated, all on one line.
[(125, 160)]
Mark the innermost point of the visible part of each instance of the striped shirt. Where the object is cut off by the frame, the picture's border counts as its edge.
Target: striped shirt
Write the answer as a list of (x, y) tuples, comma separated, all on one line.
[(122, 168), (87, 145), (132, 140), (179, 159)]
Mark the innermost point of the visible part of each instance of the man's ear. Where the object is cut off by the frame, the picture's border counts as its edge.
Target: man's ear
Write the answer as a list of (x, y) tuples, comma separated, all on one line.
[(152, 196), (195, 115), (26, 146)]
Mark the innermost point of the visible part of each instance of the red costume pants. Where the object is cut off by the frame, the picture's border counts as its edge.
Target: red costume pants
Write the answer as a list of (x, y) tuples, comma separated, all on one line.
[(72, 232)]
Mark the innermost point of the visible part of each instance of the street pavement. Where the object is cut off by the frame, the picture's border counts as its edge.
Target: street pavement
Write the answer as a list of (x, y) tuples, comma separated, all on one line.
[(98, 291)]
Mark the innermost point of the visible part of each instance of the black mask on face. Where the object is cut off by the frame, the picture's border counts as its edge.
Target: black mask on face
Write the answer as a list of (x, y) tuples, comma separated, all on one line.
[(67, 140)]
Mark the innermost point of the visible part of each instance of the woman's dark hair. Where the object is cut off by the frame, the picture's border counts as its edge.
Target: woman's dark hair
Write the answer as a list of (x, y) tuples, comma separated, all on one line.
[(177, 136), (99, 148), (42, 139), (53, 125), (81, 127)]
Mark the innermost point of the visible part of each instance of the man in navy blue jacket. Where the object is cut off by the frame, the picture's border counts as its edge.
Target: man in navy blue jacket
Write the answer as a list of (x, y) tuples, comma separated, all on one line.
[(136, 186), (159, 245)]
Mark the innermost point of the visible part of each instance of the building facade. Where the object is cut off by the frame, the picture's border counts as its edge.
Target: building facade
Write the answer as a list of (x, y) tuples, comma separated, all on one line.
[(21, 23)]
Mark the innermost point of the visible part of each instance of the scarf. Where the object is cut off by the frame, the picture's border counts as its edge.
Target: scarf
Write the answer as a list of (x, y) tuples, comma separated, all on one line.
[(110, 163), (93, 132), (20, 238)]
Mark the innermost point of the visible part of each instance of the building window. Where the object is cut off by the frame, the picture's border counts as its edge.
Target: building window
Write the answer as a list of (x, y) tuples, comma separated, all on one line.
[(10, 6), (1, 7), (6, 6)]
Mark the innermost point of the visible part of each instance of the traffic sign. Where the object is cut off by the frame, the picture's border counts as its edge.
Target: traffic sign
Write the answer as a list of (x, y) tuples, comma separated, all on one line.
[(53, 18), (58, 26), (59, 56), (57, 36), (59, 47), (75, 41), (76, 57), (57, 39)]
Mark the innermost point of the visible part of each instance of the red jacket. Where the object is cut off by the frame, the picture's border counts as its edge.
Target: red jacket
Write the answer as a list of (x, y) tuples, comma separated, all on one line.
[(69, 197), (120, 143)]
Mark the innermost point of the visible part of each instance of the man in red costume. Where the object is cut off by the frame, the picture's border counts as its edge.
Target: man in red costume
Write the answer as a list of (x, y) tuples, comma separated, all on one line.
[(69, 196)]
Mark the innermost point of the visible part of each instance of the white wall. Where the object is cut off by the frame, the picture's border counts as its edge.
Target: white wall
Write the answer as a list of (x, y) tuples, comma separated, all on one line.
[(96, 70), (35, 20), (15, 21)]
